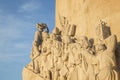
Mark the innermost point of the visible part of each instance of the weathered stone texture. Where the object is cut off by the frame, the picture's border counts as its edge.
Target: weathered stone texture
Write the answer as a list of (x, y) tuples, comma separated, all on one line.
[(85, 14), (82, 46)]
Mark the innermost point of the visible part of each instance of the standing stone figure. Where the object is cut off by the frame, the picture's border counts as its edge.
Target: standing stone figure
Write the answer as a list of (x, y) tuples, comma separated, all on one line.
[(107, 61), (65, 57), (74, 60), (56, 51), (83, 68), (104, 61), (36, 47)]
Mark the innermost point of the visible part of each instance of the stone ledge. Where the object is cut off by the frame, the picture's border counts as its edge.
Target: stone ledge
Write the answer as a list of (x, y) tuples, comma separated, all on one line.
[(29, 75)]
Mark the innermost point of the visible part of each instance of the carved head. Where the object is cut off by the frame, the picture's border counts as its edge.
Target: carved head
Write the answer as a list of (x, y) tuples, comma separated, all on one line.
[(41, 26), (44, 50), (66, 39), (57, 45), (100, 47), (84, 42), (53, 36)]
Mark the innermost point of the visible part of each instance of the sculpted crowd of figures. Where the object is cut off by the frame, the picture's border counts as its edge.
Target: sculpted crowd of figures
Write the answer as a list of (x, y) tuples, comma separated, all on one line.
[(64, 57)]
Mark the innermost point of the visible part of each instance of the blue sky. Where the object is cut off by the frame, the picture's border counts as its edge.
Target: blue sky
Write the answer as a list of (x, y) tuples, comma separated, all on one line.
[(17, 26)]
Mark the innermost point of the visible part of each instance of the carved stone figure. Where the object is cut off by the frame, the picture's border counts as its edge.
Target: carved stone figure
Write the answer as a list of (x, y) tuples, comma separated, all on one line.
[(43, 67), (65, 57), (37, 44), (84, 68), (46, 62), (74, 61), (57, 56), (36, 50), (57, 53), (42, 26), (107, 60)]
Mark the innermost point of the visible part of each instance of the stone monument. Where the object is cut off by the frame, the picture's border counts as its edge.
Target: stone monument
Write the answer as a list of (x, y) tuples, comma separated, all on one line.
[(80, 47)]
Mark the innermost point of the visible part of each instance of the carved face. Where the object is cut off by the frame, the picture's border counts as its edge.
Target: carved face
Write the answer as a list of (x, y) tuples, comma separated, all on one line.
[(39, 27), (100, 47), (84, 42)]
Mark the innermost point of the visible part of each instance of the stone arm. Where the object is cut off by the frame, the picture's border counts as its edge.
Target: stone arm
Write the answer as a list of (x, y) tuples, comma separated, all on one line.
[(65, 56), (60, 53), (90, 58), (47, 29), (35, 57), (110, 43), (48, 52), (35, 47), (35, 52), (37, 38), (31, 55)]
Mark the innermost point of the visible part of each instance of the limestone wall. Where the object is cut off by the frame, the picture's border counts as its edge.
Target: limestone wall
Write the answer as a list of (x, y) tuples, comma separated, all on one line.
[(87, 13)]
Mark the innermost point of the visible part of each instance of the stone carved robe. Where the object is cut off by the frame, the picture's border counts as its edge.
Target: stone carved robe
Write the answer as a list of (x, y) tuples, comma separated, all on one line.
[(80, 70), (56, 50), (106, 67), (107, 61)]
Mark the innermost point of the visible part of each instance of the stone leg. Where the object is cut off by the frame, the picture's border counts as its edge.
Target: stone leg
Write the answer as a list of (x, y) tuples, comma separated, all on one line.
[(56, 75), (36, 66)]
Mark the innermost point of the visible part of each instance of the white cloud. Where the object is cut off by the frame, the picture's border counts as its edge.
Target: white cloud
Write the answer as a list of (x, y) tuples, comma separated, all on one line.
[(13, 42), (10, 28), (30, 6)]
